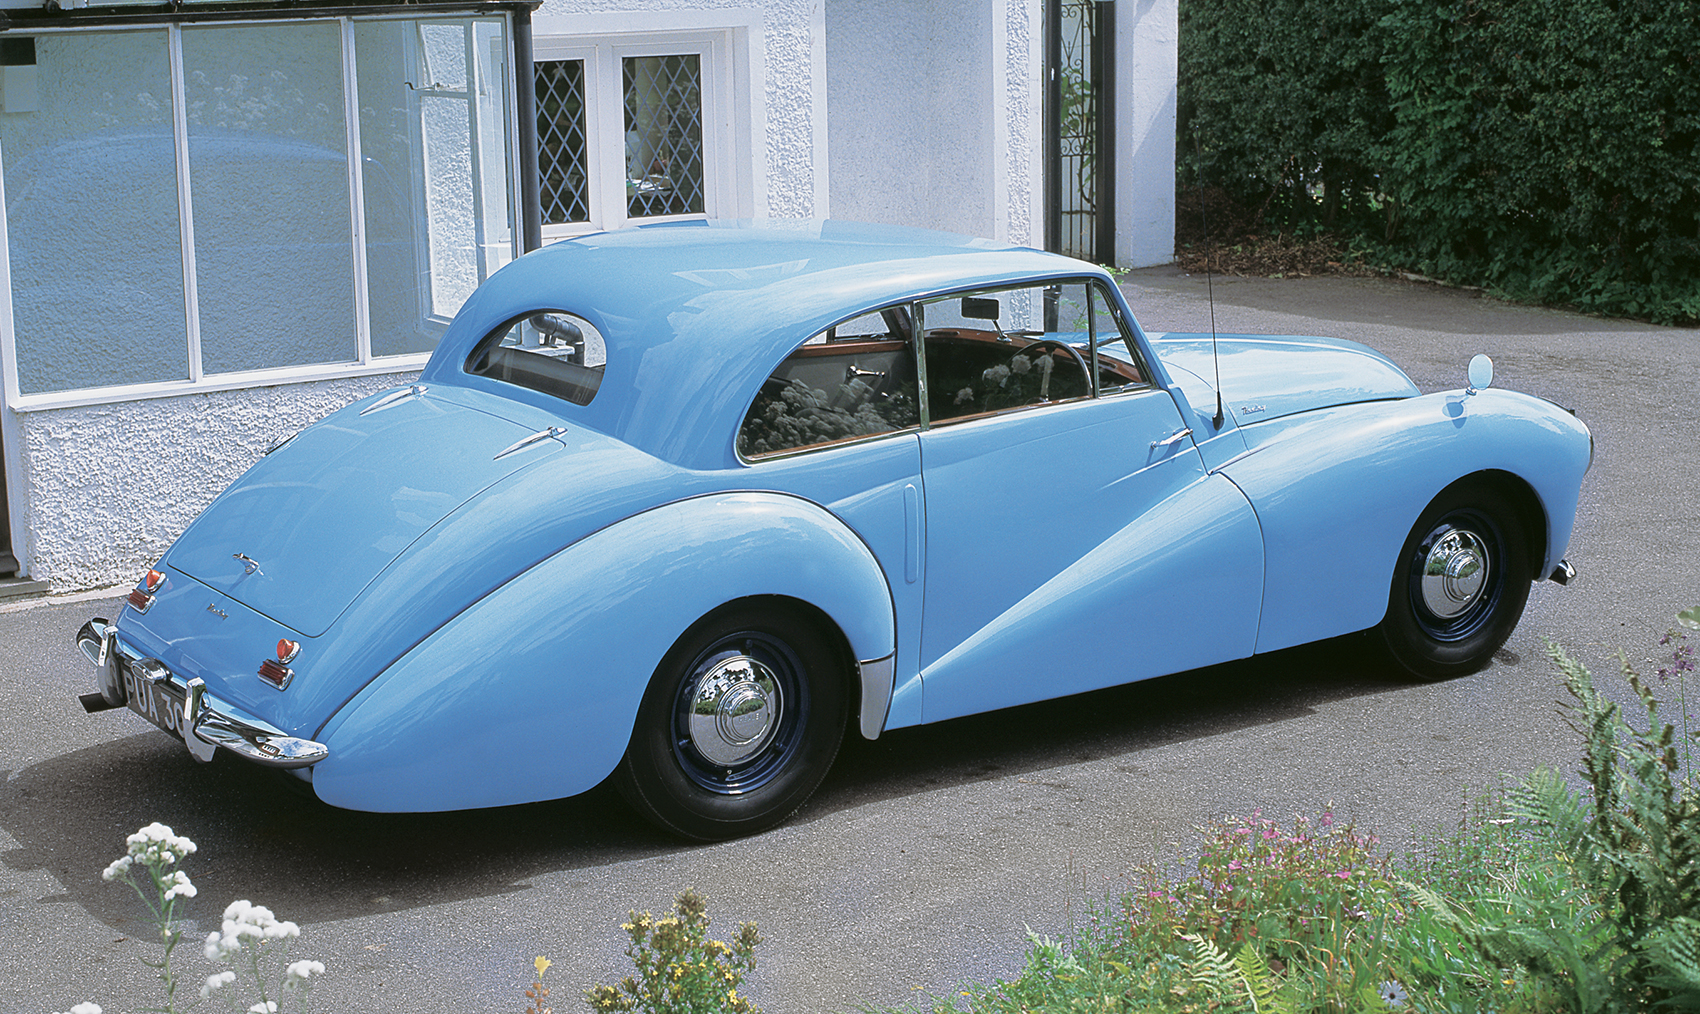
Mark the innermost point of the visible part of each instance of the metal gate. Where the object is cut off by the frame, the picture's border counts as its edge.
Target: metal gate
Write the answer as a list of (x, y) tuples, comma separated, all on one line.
[(1079, 137)]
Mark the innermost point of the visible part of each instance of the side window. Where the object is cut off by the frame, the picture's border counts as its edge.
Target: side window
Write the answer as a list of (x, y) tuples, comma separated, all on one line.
[(1119, 368), (1005, 349), (557, 353), (853, 380)]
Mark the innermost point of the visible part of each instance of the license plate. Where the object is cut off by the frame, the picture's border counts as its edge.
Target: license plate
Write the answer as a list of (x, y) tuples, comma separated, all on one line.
[(159, 703)]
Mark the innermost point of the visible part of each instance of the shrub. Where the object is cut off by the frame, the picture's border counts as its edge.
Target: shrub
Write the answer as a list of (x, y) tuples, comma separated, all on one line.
[(679, 969)]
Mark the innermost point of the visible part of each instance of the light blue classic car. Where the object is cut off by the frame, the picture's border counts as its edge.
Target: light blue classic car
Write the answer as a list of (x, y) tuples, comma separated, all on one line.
[(681, 505)]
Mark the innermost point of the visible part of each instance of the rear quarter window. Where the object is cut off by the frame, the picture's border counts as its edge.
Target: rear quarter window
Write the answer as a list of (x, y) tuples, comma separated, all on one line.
[(551, 351)]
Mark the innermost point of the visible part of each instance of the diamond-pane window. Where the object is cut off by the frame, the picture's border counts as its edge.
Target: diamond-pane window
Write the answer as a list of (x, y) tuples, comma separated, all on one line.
[(561, 149), (664, 155)]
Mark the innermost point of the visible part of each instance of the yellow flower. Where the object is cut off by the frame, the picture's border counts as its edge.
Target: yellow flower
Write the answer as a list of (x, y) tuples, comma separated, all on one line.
[(542, 964)]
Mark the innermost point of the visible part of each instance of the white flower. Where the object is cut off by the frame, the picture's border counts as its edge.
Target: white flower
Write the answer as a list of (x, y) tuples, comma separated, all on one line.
[(84, 1008), (264, 1007), (299, 972), (180, 886), (217, 982), (118, 868), (158, 845), (242, 920)]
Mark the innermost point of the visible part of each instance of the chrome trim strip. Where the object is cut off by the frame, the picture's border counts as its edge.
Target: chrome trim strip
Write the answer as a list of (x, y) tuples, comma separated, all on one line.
[(210, 721), (552, 433), (394, 397), (878, 677)]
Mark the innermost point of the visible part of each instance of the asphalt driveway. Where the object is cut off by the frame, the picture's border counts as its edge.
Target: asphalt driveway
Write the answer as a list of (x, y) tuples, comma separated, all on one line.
[(925, 853)]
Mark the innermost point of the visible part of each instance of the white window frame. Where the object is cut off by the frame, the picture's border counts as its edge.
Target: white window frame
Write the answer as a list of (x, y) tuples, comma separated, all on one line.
[(729, 47), (196, 382)]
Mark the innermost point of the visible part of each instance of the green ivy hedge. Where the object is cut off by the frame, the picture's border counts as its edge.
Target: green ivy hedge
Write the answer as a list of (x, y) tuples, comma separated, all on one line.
[(1549, 149)]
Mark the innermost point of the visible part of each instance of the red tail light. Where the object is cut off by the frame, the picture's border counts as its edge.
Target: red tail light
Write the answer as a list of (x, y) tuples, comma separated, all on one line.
[(275, 674), (142, 597)]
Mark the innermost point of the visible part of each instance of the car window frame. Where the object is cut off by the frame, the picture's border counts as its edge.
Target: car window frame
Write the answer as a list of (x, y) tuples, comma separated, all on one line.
[(1097, 292), (900, 329)]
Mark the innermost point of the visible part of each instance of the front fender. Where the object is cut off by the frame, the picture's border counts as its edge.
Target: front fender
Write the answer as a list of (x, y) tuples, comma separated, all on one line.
[(1338, 490), (531, 693)]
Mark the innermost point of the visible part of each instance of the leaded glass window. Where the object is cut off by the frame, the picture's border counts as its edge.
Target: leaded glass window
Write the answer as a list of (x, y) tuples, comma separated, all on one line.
[(664, 153), (562, 155)]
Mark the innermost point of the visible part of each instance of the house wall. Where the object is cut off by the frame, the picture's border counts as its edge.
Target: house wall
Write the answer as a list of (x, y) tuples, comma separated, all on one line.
[(109, 487), (912, 113), (1147, 34)]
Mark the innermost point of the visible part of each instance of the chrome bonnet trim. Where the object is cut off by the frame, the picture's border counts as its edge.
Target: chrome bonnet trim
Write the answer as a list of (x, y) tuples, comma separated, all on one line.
[(877, 679), (208, 721)]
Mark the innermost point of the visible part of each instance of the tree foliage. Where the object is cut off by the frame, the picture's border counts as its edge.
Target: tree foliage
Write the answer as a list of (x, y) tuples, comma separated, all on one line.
[(1549, 149)]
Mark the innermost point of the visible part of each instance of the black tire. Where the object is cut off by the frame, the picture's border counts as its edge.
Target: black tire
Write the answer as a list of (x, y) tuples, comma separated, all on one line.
[(739, 724), (1446, 617)]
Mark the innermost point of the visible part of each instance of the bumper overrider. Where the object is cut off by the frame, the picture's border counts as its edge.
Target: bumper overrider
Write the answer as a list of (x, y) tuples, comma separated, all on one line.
[(203, 721)]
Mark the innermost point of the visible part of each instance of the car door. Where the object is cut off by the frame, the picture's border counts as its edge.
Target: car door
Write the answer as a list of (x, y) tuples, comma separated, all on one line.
[(1074, 537), (837, 423)]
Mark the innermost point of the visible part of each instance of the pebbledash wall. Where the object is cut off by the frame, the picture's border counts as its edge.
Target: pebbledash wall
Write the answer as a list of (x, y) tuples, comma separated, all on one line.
[(877, 110)]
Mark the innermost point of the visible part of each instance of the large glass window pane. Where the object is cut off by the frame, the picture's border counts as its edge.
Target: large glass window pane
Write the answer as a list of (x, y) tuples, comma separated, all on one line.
[(434, 133), (91, 205), (268, 163), (664, 164)]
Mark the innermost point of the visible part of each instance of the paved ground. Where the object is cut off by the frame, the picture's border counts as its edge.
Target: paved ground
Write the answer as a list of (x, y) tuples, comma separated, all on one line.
[(918, 864)]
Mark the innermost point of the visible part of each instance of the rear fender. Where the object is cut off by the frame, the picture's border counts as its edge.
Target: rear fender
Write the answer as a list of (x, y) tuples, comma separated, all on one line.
[(531, 693), (1338, 490)]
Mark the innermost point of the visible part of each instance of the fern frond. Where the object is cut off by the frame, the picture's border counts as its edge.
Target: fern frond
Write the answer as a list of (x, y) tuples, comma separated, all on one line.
[(1210, 966), (1259, 981)]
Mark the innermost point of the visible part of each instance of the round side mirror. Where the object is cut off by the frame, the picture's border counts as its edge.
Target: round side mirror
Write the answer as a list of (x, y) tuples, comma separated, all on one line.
[(1481, 372)]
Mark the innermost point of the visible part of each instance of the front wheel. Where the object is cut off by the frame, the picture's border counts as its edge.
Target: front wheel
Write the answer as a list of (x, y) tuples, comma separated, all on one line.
[(1460, 585), (739, 725)]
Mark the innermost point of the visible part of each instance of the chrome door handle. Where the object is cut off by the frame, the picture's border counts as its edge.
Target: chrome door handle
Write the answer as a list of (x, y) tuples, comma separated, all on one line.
[(1173, 438)]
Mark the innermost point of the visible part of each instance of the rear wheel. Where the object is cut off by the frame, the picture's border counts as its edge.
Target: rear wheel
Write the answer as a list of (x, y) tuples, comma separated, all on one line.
[(1461, 583), (739, 725)]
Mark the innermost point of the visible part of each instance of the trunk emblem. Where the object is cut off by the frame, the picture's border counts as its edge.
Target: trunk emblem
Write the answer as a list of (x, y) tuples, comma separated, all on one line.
[(287, 650)]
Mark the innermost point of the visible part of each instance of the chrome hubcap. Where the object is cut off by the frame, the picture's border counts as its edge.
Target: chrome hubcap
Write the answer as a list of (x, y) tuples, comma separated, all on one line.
[(734, 711), (1454, 573)]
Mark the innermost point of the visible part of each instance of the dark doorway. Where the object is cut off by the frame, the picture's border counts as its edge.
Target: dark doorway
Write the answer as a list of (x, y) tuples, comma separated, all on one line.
[(1079, 137)]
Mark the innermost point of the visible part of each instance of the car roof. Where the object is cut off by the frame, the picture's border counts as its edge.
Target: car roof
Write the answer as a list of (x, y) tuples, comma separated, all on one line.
[(694, 316)]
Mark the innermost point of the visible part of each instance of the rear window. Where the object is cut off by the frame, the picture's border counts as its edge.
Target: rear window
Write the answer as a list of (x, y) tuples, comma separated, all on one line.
[(557, 353)]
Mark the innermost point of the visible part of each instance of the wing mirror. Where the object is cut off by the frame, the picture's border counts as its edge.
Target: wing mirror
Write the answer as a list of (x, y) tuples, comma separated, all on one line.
[(1481, 373)]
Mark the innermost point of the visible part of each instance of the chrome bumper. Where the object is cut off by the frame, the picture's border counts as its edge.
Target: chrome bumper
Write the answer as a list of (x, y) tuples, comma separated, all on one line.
[(206, 722), (1564, 573)]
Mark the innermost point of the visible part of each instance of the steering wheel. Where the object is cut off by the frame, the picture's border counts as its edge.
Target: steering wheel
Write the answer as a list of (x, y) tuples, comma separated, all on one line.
[(1074, 353)]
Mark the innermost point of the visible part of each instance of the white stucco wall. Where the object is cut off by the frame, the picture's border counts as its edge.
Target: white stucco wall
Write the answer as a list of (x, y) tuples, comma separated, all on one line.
[(916, 98), (1147, 34), (109, 487)]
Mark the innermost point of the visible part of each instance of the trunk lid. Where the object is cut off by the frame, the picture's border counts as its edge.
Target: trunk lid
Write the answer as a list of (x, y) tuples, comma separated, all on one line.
[(307, 528)]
